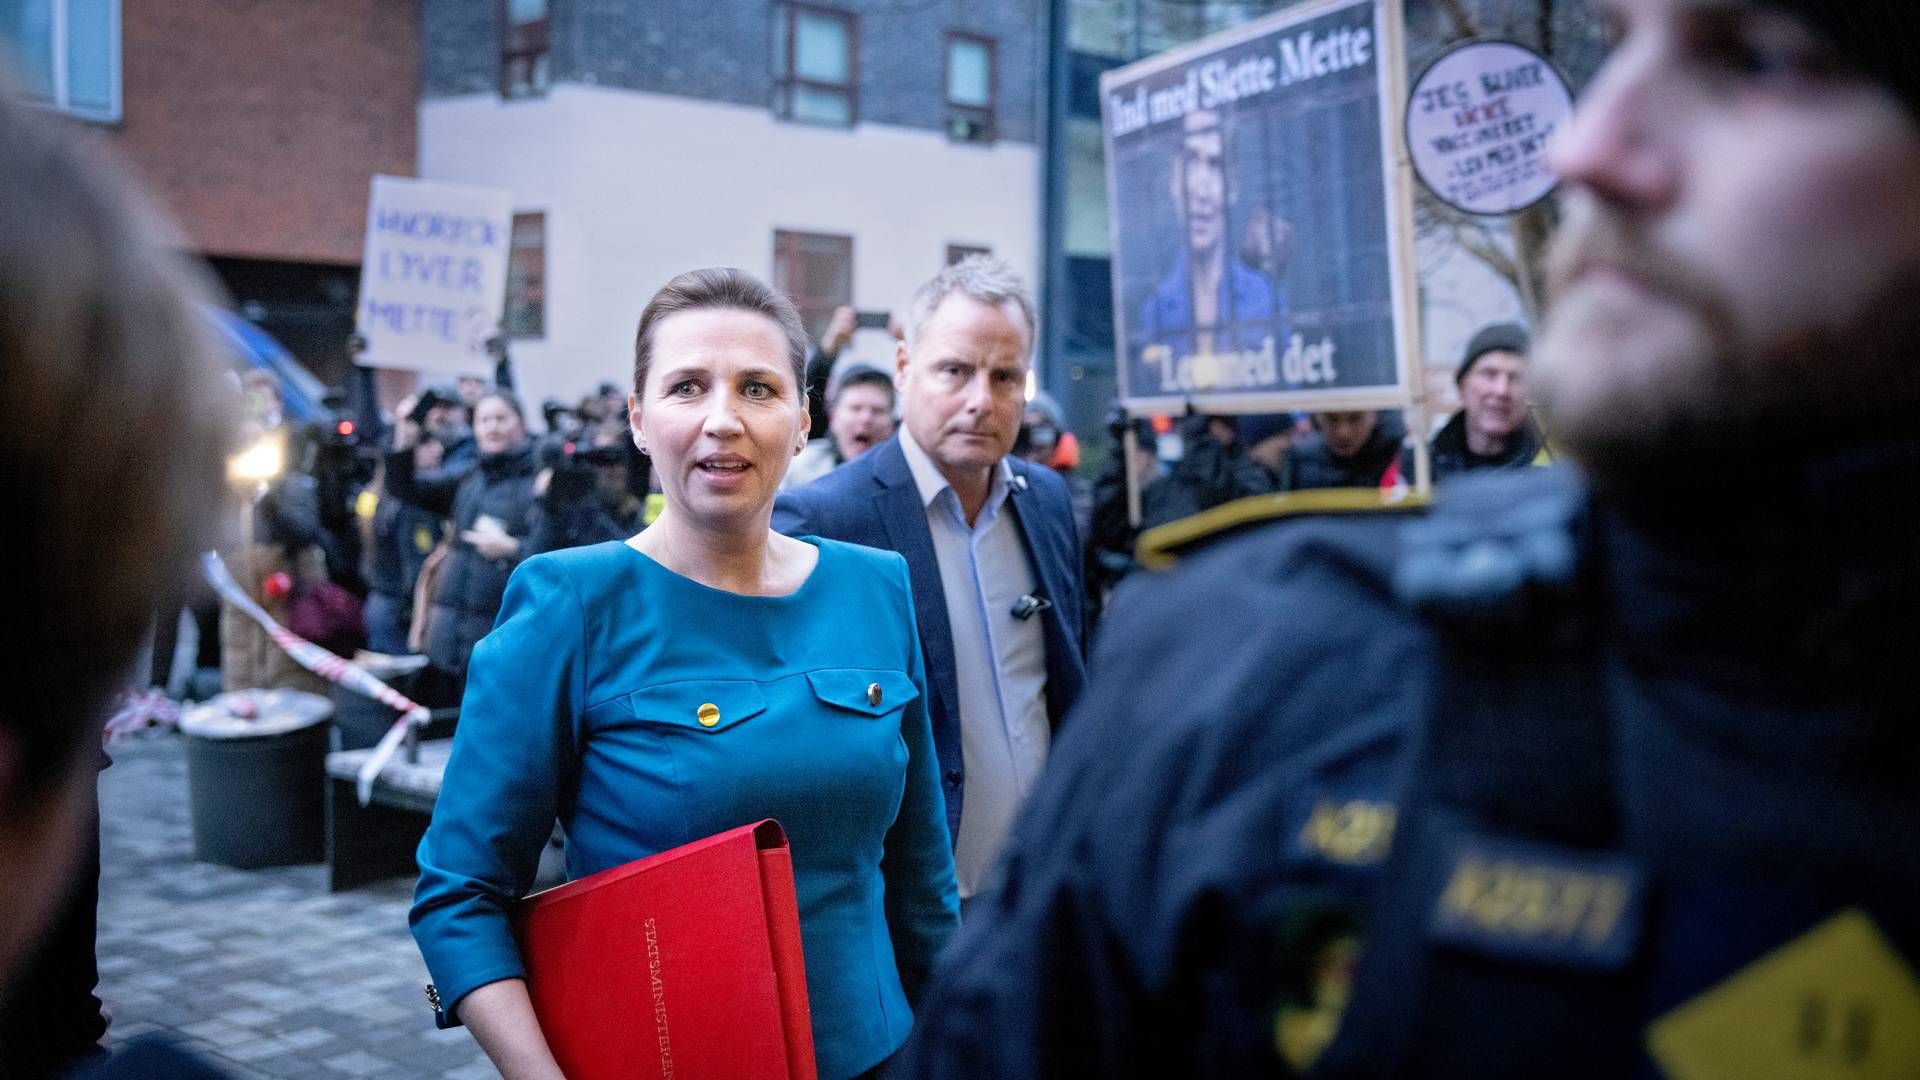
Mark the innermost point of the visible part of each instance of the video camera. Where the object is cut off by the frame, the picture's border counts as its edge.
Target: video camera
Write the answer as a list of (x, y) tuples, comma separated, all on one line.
[(576, 465), (431, 398)]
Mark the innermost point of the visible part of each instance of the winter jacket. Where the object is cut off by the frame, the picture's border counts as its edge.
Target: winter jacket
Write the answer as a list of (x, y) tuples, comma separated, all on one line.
[(403, 535), (1451, 457), (467, 594), (1311, 465)]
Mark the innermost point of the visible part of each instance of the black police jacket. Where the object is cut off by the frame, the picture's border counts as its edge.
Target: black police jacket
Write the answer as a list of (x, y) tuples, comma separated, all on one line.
[(1646, 775)]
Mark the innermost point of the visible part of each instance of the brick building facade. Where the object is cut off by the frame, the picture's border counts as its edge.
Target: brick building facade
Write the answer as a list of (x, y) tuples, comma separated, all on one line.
[(258, 127)]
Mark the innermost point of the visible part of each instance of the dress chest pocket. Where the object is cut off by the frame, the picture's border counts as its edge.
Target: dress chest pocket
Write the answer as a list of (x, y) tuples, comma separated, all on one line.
[(866, 691), (706, 705)]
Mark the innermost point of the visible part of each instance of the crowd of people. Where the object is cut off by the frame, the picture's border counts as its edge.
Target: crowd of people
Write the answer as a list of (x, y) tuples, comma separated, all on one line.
[(1595, 770), (420, 524)]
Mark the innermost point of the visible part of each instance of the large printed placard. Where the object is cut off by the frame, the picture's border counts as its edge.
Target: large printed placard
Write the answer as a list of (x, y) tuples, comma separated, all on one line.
[(433, 281), (1260, 237)]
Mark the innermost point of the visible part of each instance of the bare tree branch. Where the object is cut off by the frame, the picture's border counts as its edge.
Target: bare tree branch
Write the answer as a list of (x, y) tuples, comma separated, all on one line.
[(1477, 241), (1463, 25)]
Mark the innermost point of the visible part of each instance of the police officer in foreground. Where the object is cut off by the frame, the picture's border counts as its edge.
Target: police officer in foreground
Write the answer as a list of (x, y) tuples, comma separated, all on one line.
[(1608, 771)]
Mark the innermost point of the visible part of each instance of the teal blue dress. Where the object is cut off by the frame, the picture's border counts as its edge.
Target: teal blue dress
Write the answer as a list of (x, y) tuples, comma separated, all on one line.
[(584, 705)]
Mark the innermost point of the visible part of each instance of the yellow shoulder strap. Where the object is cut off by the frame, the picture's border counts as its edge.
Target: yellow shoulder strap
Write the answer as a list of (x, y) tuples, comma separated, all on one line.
[(1159, 548)]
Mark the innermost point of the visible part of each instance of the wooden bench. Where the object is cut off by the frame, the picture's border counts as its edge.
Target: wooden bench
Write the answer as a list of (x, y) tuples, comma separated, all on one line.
[(375, 842)]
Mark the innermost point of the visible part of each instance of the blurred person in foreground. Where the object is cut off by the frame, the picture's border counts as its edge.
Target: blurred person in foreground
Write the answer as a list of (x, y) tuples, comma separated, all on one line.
[(700, 676), (860, 403), (989, 540), (1601, 771), (99, 333)]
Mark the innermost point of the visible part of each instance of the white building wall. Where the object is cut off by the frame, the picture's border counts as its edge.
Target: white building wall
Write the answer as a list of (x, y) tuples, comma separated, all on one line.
[(638, 187)]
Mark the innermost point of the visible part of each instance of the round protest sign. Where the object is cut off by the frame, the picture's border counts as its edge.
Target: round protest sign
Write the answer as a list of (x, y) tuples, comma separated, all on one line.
[(1478, 124)]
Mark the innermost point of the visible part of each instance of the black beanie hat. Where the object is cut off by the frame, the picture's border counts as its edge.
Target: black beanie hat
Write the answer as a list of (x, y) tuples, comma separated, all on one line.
[(1500, 337), (1259, 427), (1875, 36)]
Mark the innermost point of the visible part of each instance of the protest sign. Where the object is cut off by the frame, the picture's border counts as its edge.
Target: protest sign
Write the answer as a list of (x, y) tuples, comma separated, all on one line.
[(1262, 217), (433, 281), (1478, 125)]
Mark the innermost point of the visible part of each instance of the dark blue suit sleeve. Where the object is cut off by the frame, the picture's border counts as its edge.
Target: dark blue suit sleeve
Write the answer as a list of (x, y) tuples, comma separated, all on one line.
[(512, 755), (1077, 569), (790, 515)]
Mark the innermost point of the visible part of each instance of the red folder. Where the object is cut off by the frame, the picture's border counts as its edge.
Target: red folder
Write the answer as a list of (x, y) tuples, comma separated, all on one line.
[(682, 966)]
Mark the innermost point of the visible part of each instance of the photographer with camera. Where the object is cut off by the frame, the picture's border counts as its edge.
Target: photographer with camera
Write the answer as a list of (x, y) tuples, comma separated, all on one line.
[(398, 537), (592, 489), (491, 506)]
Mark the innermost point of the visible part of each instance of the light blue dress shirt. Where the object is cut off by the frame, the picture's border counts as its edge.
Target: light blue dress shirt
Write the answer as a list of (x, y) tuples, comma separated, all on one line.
[(999, 661), (582, 705)]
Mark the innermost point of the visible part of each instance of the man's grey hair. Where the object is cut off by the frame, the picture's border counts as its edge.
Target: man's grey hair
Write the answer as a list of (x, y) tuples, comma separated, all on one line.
[(983, 278)]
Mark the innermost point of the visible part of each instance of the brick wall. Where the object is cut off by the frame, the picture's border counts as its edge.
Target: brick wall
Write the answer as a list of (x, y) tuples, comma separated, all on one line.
[(258, 123)]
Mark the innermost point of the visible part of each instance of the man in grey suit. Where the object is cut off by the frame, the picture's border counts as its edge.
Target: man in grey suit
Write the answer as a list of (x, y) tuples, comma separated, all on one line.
[(990, 544)]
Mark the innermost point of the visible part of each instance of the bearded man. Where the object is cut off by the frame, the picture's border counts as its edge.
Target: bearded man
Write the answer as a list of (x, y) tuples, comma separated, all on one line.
[(1596, 771)]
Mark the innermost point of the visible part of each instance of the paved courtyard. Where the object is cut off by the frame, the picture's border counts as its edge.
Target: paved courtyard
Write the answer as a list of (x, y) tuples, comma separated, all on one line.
[(263, 971)]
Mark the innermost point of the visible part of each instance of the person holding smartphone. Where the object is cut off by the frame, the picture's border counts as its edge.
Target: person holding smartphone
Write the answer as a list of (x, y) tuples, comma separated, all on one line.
[(491, 514)]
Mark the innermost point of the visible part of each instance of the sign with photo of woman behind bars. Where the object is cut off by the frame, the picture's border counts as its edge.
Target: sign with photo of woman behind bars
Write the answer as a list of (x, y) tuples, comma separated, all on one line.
[(1258, 254)]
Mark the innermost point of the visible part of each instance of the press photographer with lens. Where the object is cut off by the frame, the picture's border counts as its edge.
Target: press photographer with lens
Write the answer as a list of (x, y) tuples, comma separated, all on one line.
[(491, 511), (592, 488)]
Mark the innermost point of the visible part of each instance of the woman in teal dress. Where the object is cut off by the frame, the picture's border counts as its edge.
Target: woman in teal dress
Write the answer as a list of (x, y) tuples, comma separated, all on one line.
[(703, 675)]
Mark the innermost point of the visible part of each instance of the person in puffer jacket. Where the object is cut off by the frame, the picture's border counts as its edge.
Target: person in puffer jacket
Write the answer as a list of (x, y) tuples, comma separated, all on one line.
[(491, 509)]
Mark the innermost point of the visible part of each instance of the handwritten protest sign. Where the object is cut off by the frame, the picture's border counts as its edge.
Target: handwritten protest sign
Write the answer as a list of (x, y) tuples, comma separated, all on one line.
[(1478, 126), (433, 281), (1262, 218)]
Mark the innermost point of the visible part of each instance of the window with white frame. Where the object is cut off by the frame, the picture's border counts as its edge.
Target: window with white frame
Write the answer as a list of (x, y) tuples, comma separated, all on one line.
[(68, 53)]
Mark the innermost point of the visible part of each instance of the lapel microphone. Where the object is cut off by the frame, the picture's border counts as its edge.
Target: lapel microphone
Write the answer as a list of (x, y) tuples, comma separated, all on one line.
[(1027, 606)]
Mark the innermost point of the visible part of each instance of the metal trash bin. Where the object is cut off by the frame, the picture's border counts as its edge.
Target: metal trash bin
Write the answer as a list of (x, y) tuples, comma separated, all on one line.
[(358, 720), (256, 777)]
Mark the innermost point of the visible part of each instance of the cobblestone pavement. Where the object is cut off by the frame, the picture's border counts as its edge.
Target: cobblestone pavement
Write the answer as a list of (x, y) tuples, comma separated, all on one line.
[(263, 971)]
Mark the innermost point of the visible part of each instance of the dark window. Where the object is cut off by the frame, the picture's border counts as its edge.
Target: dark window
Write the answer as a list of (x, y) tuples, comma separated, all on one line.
[(956, 252), (816, 65), (526, 314), (970, 88), (523, 48), (816, 272)]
